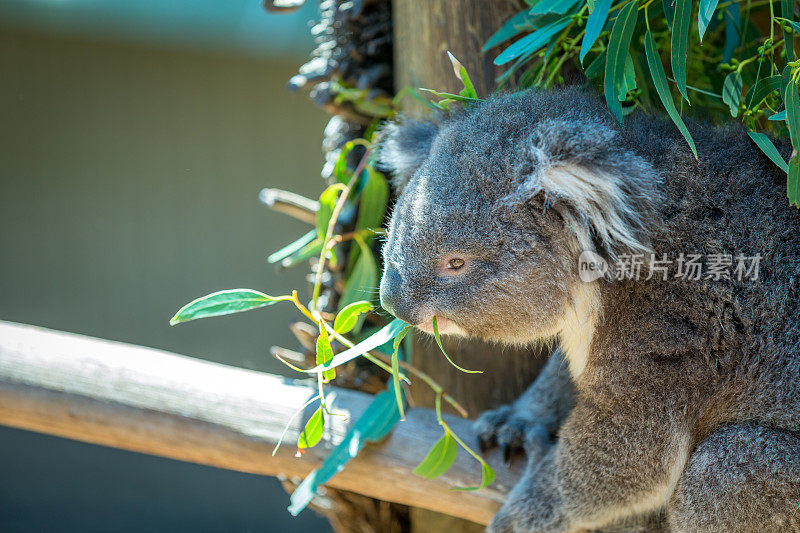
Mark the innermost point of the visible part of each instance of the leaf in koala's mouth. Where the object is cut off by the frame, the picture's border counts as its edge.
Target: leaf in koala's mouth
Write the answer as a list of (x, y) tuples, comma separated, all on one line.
[(439, 342)]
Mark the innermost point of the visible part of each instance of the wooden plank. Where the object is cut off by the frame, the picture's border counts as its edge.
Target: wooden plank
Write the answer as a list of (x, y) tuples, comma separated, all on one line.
[(155, 402)]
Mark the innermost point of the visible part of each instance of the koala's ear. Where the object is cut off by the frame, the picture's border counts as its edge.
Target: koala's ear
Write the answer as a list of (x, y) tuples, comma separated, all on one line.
[(604, 193), (405, 146)]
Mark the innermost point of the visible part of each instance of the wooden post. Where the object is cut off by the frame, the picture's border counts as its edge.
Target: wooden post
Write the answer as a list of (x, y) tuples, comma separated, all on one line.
[(423, 32)]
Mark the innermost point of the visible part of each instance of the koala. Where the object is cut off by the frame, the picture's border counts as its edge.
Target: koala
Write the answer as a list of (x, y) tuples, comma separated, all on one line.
[(671, 402)]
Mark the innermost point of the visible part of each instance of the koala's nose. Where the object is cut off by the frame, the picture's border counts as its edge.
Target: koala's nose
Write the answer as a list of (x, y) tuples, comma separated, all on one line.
[(392, 296)]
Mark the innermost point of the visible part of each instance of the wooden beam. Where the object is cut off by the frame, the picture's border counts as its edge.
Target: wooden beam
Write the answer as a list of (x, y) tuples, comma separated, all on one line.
[(155, 402)]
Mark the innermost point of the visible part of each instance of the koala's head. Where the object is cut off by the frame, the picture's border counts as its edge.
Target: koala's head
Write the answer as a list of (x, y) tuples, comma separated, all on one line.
[(495, 205)]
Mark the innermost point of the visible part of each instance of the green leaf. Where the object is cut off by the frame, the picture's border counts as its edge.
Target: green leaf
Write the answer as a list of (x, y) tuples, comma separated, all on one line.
[(363, 280), (669, 11), (707, 8), (377, 420), (732, 91), (733, 28), (662, 88), (532, 42), (372, 205), (346, 318), (439, 459), (792, 100), (596, 66), (780, 115), (325, 353), (312, 433), (292, 248), (629, 80), (763, 88), (617, 54), (224, 303), (793, 182), (553, 6), (766, 146), (451, 96), (594, 26), (680, 38), (461, 73), (396, 370), (327, 202), (439, 342), (487, 477), (788, 13), (513, 27), (383, 336)]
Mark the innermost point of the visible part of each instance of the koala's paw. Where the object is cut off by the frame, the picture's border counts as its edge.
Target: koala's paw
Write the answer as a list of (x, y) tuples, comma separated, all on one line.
[(513, 432)]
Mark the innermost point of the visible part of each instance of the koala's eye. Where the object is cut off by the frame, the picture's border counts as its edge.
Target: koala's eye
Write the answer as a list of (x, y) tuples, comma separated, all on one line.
[(455, 263)]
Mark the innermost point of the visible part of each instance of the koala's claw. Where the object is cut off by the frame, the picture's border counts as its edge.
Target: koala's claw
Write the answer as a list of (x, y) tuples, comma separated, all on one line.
[(512, 432)]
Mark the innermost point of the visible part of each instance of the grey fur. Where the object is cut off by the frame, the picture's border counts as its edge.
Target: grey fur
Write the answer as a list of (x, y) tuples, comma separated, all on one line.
[(684, 398)]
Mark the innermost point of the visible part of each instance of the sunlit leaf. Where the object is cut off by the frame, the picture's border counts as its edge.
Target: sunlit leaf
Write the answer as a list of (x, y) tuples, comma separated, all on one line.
[(732, 91), (594, 26), (439, 459), (372, 205), (224, 303), (292, 248), (766, 146), (704, 15), (346, 318), (327, 203), (325, 353), (461, 73), (680, 38), (487, 477), (377, 420), (617, 54), (363, 281), (383, 336), (439, 342), (660, 83), (312, 433), (396, 370)]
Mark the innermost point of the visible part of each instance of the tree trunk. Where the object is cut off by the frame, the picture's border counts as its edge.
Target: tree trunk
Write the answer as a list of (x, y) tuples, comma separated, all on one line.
[(423, 32)]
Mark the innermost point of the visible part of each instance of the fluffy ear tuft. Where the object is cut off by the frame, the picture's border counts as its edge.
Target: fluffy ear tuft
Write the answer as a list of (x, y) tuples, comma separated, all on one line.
[(605, 193), (406, 145)]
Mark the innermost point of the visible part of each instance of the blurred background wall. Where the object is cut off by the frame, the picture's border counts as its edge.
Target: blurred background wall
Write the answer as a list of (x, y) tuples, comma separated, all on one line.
[(134, 139)]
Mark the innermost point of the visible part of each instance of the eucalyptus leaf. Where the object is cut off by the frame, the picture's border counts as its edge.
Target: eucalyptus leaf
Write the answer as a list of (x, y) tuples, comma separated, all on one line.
[(384, 335), (487, 477), (396, 370), (662, 88), (327, 203), (325, 353), (628, 81), (617, 55), (312, 433), (787, 12), (439, 459), (372, 205), (594, 26), (792, 101), (377, 420), (439, 342), (363, 280), (680, 38), (553, 6), (224, 303), (512, 27), (780, 115), (704, 15), (531, 42), (732, 91), (733, 28), (292, 248), (793, 182), (763, 88), (346, 318), (596, 66), (766, 146)]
